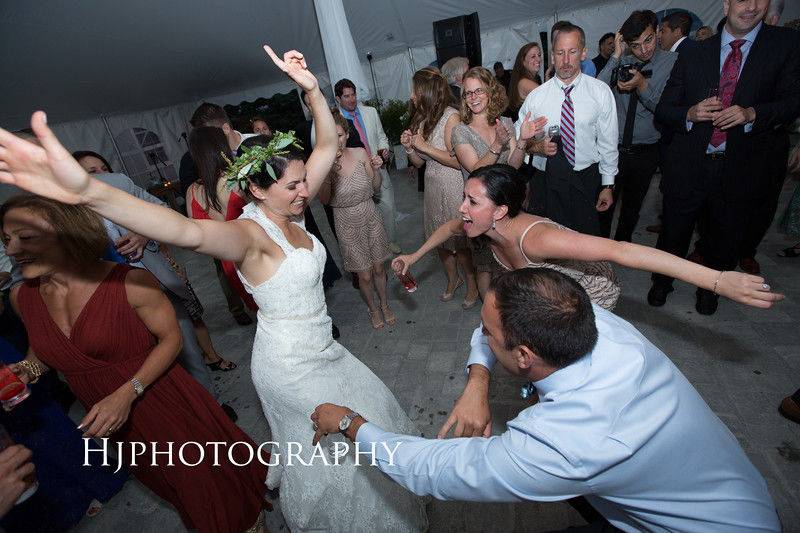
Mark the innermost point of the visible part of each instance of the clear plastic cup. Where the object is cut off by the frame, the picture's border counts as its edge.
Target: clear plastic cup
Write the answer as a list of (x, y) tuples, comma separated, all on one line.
[(12, 390)]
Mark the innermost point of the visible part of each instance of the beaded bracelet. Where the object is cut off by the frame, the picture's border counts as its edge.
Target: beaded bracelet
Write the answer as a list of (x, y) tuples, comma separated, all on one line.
[(33, 369), (717, 281)]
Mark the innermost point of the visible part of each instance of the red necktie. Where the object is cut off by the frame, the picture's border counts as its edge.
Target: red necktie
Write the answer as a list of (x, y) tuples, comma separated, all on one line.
[(727, 85)]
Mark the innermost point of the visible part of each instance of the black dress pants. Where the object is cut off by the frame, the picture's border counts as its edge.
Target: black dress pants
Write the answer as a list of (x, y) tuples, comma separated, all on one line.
[(636, 170), (725, 225)]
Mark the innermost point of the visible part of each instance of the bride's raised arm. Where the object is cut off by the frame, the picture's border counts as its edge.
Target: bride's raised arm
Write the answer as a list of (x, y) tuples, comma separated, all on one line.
[(321, 160)]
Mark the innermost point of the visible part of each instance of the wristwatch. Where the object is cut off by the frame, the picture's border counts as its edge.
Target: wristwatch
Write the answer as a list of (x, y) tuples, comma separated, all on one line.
[(137, 386), (346, 420)]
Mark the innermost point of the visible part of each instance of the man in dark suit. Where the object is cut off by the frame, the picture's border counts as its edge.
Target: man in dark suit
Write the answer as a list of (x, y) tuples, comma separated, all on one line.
[(675, 28), (722, 142)]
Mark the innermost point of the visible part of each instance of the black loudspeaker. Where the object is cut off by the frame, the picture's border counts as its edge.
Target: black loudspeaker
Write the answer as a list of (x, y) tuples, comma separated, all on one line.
[(458, 37), (545, 47)]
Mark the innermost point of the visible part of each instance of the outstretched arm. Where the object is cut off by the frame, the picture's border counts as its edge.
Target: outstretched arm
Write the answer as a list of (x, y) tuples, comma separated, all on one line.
[(51, 171), (555, 243), (451, 228)]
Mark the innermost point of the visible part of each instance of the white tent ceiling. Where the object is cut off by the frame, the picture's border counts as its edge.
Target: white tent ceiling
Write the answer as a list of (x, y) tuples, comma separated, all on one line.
[(83, 58)]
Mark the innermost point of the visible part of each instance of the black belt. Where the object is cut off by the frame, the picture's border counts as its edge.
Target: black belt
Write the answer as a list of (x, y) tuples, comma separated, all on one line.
[(635, 148), (716, 155)]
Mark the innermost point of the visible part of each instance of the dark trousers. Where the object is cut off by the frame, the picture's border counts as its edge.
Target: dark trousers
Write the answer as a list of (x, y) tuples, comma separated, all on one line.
[(235, 304), (763, 209), (572, 195), (631, 185), (724, 225)]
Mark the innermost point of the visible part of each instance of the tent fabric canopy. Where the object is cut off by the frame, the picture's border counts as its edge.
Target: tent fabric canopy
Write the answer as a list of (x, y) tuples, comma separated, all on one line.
[(83, 59)]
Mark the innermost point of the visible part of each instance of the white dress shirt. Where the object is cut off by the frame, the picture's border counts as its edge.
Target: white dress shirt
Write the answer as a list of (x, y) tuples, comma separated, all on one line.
[(621, 426), (595, 113), (677, 44)]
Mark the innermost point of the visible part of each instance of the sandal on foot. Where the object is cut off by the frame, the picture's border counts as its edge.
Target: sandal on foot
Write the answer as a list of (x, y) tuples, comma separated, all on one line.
[(791, 251), (94, 508), (469, 304), (448, 295), (390, 317), (221, 365), (376, 319)]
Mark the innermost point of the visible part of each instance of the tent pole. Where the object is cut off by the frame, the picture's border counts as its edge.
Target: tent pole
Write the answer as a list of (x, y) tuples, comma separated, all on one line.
[(411, 57), (104, 118)]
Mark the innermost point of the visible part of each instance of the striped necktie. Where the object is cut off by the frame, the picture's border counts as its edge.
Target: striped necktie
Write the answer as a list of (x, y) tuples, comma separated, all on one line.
[(568, 126), (727, 85)]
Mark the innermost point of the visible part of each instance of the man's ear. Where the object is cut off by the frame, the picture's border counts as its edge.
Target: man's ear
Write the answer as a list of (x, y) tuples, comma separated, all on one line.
[(525, 357), (338, 102), (583, 54)]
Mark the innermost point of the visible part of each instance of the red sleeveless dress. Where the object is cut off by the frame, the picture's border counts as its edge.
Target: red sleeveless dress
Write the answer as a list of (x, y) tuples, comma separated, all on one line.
[(107, 345), (235, 206)]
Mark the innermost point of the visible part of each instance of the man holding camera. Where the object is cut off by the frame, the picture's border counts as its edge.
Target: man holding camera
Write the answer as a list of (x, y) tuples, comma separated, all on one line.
[(636, 79)]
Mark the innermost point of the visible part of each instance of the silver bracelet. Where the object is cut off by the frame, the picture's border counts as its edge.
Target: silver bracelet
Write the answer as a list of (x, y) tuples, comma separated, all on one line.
[(717, 281)]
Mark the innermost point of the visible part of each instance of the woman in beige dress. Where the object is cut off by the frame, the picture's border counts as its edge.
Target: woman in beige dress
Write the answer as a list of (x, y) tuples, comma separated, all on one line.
[(363, 242), (433, 117), (484, 138)]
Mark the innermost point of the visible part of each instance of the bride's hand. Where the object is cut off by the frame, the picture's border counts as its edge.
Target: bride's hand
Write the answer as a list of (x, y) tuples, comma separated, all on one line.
[(294, 65), (404, 262), (747, 289), (47, 170)]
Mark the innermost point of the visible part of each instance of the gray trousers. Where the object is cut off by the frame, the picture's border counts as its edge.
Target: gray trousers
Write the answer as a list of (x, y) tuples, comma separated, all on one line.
[(191, 356)]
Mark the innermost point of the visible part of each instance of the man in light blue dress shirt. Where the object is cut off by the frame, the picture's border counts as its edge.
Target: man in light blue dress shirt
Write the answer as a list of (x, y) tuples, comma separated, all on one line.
[(616, 422)]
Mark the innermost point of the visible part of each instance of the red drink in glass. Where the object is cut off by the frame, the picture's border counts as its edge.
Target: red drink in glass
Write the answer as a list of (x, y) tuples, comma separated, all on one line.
[(30, 480), (12, 390), (406, 279)]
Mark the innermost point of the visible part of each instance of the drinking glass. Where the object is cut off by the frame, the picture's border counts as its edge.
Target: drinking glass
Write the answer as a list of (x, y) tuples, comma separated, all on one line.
[(12, 390), (406, 279)]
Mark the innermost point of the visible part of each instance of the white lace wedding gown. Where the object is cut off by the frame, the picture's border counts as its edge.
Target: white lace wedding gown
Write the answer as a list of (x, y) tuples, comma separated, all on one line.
[(296, 366)]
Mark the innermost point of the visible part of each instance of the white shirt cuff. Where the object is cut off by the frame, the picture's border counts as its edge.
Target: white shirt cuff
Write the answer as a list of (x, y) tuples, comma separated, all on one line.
[(479, 352)]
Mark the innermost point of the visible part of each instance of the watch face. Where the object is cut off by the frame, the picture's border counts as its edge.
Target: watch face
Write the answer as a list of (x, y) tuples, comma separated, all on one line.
[(344, 423)]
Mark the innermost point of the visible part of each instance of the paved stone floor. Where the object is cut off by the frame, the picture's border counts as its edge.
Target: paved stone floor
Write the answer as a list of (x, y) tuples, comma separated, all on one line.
[(743, 361)]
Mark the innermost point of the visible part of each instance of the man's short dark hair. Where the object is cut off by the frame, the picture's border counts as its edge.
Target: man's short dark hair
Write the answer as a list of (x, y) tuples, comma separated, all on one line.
[(637, 23), (566, 26), (343, 84), (546, 311), (679, 19), (208, 114), (604, 37)]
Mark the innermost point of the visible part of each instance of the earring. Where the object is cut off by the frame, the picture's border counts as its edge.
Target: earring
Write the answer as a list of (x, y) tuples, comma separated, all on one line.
[(494, 223)]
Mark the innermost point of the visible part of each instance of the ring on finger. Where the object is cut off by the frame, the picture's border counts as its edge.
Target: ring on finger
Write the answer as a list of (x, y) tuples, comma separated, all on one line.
[(765, 286)]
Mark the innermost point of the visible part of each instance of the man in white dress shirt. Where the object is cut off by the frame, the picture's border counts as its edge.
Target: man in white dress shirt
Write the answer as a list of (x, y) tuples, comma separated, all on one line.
[(616, 422), (579, 165)]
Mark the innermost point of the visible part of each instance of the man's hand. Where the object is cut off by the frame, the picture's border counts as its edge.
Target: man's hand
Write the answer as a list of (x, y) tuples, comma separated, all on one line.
[(637, 83), (605, 200), (131, 246), (471, 414), (704, 110), (14, 466), (619, 45), (326, 418), (545, 147), (734, 116)]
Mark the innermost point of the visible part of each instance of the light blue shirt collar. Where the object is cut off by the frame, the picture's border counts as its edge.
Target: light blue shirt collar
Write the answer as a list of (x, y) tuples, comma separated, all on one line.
[(727, 38), (565, 379), (350, 116)]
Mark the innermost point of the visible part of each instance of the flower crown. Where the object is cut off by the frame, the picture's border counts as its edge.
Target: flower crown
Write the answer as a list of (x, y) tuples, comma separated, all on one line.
[(254, 157)]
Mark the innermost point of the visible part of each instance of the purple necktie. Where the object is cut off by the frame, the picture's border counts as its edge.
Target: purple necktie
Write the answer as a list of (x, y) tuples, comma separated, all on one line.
[(727, 85), (568, 126)]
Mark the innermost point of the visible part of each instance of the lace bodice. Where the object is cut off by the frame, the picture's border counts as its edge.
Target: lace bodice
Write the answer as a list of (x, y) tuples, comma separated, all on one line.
[(291, 304)]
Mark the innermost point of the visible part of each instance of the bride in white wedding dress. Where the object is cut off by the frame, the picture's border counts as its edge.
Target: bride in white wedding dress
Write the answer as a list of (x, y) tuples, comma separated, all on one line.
[(296, 364)]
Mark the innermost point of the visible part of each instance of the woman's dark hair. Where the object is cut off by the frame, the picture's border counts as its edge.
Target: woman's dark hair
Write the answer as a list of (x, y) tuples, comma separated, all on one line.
[(518, 73), (80, 154), (548, 312), (262, 179), (504, 184), (208, 147)]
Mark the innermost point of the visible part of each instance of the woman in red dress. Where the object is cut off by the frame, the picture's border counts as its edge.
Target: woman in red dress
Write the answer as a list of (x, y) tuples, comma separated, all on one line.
[(113, 334), (209, 199)]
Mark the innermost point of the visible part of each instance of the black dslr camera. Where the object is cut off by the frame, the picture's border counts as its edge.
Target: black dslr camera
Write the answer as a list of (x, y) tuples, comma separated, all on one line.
[(623, 72)]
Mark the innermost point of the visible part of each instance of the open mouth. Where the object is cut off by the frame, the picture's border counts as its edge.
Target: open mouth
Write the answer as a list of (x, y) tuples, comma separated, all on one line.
[(467, 223), (24, 261)]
